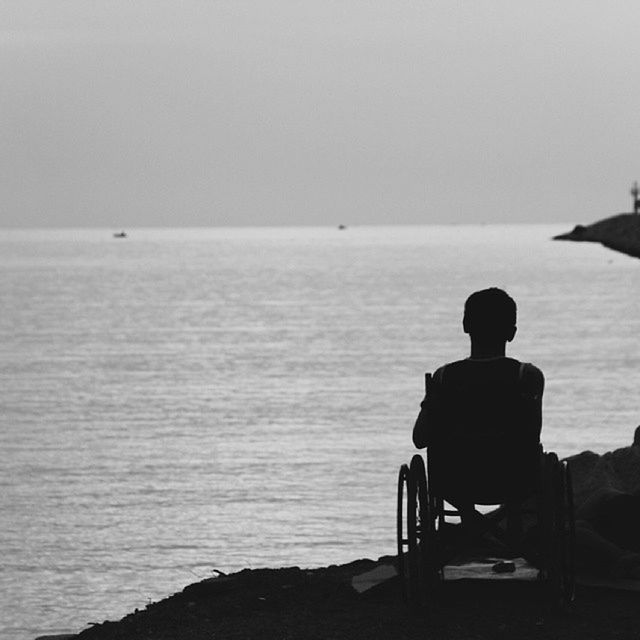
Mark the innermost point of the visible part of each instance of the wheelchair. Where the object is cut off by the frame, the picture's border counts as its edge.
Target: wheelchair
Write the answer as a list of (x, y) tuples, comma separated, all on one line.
[(426, 522)]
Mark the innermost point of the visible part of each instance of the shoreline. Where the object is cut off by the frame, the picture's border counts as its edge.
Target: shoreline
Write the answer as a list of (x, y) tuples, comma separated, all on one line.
[(620, 233), (322, 604)]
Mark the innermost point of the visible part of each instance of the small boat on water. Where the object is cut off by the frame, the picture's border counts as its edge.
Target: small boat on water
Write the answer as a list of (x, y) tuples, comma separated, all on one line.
[(121, 234)]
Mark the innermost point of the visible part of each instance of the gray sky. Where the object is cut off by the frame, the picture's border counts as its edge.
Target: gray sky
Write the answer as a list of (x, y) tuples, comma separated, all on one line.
[(123, 113)]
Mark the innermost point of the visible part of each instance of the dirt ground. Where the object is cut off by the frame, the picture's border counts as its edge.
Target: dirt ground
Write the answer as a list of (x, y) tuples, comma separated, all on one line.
[(292, 603)]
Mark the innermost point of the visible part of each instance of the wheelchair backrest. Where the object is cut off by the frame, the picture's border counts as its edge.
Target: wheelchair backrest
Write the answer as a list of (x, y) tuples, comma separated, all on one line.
[(488, 450)]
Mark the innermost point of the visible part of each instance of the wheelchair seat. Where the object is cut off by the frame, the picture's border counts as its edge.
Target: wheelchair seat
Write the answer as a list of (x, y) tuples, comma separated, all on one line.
[(484, 472), (426, 517)]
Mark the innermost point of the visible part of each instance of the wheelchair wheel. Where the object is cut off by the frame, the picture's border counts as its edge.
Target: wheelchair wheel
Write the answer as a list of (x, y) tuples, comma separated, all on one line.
[(410, 492), (558, 531), (416, 534), (569, 537), (401, 533), (418, 524)]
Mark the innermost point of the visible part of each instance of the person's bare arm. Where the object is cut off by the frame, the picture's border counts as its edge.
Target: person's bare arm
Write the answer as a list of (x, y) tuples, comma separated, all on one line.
[(533, 388)]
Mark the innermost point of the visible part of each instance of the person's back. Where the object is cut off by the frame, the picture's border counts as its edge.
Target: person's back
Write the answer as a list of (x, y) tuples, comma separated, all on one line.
[(481, 417)]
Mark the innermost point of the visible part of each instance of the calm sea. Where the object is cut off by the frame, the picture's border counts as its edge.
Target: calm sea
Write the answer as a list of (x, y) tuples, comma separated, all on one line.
[(188, 400)]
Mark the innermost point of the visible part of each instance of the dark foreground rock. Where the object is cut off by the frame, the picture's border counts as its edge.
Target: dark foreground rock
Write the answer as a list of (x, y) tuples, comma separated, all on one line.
[(319, 604), (620, 233)]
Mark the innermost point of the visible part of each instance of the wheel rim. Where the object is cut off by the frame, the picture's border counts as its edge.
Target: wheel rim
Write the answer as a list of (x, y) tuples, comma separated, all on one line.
[(412, 567), (559, 530), (422, 522), (402, 541)]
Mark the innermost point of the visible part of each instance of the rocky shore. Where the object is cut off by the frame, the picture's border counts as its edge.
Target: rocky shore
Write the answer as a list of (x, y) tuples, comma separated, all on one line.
[(620, 233), (294, 603)]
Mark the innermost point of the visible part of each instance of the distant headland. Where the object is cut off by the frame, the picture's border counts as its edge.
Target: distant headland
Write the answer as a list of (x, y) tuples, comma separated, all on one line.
[(620, 232)]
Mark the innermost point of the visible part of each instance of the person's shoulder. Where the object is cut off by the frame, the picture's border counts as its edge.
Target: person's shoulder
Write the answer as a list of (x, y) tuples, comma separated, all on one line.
[(438, 374), (455, 364), (531, 376), (529, 370)]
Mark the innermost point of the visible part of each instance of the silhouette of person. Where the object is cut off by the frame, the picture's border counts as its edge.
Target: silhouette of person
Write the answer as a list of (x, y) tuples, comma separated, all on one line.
[(482, 415)]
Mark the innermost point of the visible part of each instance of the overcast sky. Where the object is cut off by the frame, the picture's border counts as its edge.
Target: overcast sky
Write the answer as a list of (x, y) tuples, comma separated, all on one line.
[(123, 113)]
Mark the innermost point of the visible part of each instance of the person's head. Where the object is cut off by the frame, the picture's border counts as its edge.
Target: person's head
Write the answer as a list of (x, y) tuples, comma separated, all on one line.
[(490, 316)]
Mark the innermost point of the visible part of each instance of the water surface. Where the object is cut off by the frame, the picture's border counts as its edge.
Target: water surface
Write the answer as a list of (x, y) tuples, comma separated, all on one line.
[(189, 400)]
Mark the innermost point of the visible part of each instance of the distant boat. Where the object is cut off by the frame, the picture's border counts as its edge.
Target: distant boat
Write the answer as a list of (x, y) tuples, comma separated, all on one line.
[(122, 234), (342, 227)]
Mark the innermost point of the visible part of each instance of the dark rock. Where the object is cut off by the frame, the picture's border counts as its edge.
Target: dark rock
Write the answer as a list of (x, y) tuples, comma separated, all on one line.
[(620, 233), (210, 586)]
